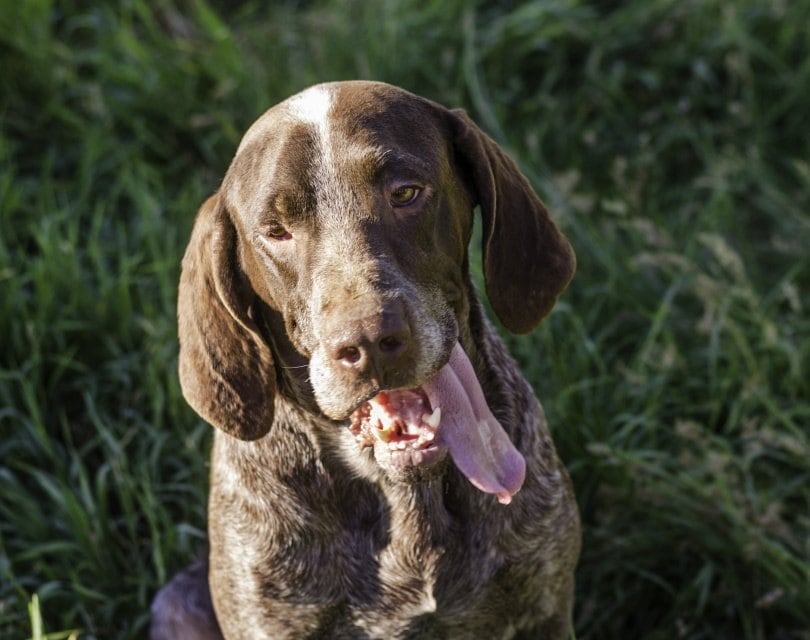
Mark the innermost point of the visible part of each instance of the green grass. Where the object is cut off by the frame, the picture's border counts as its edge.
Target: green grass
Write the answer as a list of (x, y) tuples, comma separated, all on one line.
[(670, 138)]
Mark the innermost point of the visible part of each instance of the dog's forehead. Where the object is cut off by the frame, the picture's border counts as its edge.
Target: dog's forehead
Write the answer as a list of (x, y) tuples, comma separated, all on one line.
[(326, 133), (341, 110)]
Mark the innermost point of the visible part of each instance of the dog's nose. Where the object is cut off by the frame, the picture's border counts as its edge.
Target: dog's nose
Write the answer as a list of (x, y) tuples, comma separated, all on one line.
[(373, 344)]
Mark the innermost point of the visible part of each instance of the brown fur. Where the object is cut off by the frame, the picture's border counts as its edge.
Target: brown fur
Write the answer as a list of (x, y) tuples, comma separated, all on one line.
[(280, 339)]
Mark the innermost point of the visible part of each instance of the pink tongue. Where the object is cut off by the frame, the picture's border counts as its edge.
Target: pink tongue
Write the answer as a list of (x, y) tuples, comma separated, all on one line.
[(477, 443)]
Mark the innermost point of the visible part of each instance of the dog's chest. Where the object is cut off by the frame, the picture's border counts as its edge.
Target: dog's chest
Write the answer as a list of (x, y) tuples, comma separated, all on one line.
[(346, 557), (371, 549), (365, 570), (389, 574)]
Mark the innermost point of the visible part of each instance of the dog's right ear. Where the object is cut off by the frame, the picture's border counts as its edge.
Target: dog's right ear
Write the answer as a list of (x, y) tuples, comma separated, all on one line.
[(226, 367)]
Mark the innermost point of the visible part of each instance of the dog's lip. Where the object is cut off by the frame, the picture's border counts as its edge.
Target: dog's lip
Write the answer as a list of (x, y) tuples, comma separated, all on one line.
[(375, 389), (425, 456)]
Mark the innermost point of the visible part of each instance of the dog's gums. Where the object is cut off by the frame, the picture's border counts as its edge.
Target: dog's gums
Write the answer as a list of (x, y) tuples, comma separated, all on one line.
[(399, 419), (401, 427)]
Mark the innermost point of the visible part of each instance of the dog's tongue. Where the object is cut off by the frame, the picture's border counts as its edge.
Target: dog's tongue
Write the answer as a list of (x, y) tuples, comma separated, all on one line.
[(476, 441)]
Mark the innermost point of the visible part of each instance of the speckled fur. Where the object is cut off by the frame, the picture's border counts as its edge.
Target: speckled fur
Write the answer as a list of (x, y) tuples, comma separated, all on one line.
[(309, 537)]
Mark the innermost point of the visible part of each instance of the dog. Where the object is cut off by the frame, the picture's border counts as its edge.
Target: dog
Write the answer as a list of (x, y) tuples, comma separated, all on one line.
[(380, 467)]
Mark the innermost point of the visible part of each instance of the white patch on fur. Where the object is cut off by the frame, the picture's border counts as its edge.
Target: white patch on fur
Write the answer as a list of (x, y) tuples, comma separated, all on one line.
[(312, 105), (315, 106)]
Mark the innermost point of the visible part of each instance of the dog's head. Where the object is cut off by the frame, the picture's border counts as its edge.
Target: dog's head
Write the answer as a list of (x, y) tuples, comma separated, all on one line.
[(346, 214)]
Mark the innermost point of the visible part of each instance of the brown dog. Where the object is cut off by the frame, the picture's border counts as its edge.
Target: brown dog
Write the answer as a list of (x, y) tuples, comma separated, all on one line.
[(381, 468)]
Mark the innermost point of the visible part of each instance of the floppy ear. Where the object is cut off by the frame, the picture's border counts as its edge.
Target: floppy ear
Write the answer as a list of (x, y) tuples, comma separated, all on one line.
[(226, 368), (527, 261)]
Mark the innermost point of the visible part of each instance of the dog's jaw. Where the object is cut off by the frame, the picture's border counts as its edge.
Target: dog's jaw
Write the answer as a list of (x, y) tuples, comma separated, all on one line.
[(410, 439)]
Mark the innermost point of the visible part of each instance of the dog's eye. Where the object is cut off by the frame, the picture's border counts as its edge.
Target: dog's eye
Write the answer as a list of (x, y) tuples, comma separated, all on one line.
[(277, 232), (404, 195)]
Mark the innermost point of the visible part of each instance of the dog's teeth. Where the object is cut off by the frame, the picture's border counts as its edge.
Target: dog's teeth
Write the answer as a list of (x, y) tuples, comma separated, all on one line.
[(426, 437), (401, 445), (434, 418), (383, 435)]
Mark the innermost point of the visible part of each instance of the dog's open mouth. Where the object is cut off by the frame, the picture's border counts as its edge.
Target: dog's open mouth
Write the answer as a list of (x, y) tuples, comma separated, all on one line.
[(401, 426), (416, 428)]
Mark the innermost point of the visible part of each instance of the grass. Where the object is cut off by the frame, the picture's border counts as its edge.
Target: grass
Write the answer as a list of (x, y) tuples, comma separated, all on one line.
[(669, 138)]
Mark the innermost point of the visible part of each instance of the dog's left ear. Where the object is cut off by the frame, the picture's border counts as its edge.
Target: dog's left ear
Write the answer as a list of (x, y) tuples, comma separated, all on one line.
[(527, 261)]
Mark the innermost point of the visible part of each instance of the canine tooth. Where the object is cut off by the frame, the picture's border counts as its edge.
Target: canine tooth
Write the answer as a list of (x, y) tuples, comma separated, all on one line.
[(401, 445), (434, 418)]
